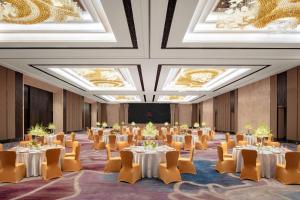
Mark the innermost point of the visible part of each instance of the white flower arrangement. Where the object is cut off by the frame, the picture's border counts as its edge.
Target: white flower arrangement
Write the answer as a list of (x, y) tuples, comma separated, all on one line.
[(116, 126), (203, 124), (196, 125), (98, 124), (262, 131), (184, 126), (176, 123), (166, 123), (150, 130), (132, 123), (104, 124), (248, 128), (38, 130)]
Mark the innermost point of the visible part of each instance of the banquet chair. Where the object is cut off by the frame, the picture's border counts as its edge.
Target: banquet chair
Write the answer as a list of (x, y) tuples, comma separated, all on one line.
[(169, 139), (177, 146), (210, 135), (50, 168), (290, 172), (130, 139), (72, 163), (202, 143), (122, 145), (186, 165), (1, 147), (69, 143), (298, 148), (225, 150), (168, 172), (90, 134), (60, 139), (98, 145), (28, 139), (188, 142), (113, 164), (160, 137), (10, 171), (130, 172), (274, 144), (73, 153), (112, 139), (224, 164), (200, 133), (240, 140), (251, 169), (230, 142)]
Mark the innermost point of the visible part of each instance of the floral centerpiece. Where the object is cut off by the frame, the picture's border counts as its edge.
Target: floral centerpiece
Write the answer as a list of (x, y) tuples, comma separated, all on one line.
[(51, 127), (184, 128), (122, 123), (176, 123), (98, 124), (196, 125), (166, 123), (203, 124), (104, 124), (262, 132), (38, 130), (150, 130), (248, 128), (115, 128), (34, 144), (132, 123)]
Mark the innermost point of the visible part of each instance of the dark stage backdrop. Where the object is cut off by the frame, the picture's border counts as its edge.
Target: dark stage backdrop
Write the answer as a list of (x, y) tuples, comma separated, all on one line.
[(144, 113)]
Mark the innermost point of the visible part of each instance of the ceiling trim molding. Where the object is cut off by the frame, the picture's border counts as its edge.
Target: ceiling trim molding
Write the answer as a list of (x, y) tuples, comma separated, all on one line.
[(168, 23), (266, 66), (57, 78), (167, 28), (141, 77), (157, 77), (131, 28), (130, 22), (99, 98)]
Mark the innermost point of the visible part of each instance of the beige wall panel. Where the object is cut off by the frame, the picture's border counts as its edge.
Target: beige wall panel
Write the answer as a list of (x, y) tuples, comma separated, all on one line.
[(58, 110), (208, 113), (254, 104), (112, 113), (94, 114), (273, 105), (185, 114)]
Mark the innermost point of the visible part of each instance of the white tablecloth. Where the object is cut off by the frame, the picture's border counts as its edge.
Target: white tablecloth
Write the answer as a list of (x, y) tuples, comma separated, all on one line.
[(251, 139), (149, 159), (33, 158), (119, 138), (205, 131), (267, 157), (180, 138)]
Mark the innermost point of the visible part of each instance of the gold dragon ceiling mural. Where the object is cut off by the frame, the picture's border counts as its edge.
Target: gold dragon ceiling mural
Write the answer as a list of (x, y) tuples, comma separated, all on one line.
[(239, 14), (102, 77), (196, 78), (27, 12)]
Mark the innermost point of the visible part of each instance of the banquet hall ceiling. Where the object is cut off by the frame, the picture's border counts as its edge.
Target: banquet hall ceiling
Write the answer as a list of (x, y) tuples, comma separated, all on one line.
[(183, 51)]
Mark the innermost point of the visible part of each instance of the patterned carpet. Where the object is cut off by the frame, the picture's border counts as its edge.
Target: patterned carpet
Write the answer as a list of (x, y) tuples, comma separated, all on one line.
[(93, 183)]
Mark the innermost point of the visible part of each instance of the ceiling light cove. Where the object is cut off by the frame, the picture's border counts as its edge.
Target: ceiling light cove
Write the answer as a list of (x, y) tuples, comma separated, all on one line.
[(122, 98), (176, 99), (98, 79), (200, 79)]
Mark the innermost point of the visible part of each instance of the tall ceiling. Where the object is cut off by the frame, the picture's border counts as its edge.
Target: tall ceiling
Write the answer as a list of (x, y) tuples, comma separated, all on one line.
[(183, 51)]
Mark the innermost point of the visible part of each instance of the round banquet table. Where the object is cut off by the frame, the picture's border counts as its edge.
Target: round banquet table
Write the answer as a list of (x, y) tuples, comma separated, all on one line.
[(180, 138), (149, 159), (268, 157), (33, 158), (119, 138)]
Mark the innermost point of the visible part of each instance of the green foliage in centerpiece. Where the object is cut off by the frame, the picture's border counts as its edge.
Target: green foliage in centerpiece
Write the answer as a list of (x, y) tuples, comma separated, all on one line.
[(262, 131), (150, 144), (150, 130), (51, 126), (184, 126), (196, 125), (98, 124), (248, 128), (104, 124), (38, 130)]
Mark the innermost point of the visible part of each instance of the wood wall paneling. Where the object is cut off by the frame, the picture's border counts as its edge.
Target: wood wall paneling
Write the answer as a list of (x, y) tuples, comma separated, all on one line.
[(74, 111), (11, 104), (292, 103), (19, 87), (273, 105), (3, 108), (87, 115)]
